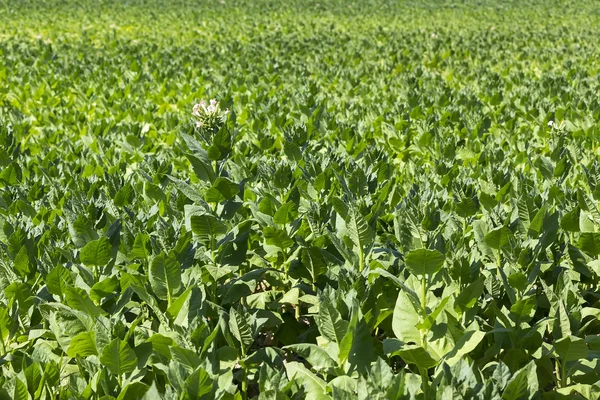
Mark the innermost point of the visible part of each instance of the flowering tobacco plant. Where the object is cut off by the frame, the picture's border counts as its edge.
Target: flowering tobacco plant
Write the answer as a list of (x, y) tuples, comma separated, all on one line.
[(211, 125), (209, 118)]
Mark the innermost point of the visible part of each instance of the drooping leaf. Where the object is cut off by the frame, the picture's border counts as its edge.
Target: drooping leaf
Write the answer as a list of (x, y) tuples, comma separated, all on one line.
[(423, 262), (118, 357), (96, 253), (165, 276)]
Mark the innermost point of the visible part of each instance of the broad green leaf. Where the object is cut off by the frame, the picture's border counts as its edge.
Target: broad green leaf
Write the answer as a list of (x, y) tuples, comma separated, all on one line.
[(562, 324), (314, 386), (523, 384), (135, 390), (277, 237), (240, 329), (83, 345), (19, 390), (414, 354), (330, 322), (58, 279), (423, 262), (78, 299), (589, 242), (342, 387), (465, 345), (359, 231), (571, 348), (287, 213), (315, 355), (6, 325), (186, 357), (524, 308), (405, 320), (570, 221), (118, 357), (207, 226), (141, 247), (221, 190), (165, 276), (480, 232), (96, 253), (198, 385), (498, 238)]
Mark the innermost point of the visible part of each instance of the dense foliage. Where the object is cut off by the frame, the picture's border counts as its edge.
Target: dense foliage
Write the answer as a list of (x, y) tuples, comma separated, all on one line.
[(402, 201)]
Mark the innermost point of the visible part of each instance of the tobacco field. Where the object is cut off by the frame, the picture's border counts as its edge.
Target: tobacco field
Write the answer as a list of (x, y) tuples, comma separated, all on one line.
[(270, 200)]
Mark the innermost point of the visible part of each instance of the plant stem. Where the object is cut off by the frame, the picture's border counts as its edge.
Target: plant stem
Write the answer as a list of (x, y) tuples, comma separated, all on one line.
[(244, 384), (361, 260), (425, 382), (563, 374), (424, 310), (423, 294)]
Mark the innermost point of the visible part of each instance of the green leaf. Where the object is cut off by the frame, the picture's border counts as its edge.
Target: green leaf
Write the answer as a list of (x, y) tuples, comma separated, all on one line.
[(570, 221), (523, 384), (414, 354), (314, 262), (203, 171), (524, 308), (221, 190), (198, 384), (498, 238), (589, 242), (359, 231), (141, 246), (20, 390), (11, 175), (287, 213), (135, 390), (562, 324), (330, 322), (423, 262), (58, 279), (467, 298), (240, 329), (105, 288), (313, 385), (22, 263), (277, 237), (571, 348), (480, 232), (78, 299), (96, 253), (207, 226), (6, 325), (118, 357), (315, 355), (465, 345), (83, 345), (165, 276), (537, 223), (186, 357), (405, 319), (343, 387)]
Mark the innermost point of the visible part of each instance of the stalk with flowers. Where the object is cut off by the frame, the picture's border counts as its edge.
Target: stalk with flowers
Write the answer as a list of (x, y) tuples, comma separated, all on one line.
[(210, 123)]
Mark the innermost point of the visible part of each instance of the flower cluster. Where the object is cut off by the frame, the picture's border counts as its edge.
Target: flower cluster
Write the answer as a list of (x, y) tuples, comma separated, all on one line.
[(552, 124), (209, 117)]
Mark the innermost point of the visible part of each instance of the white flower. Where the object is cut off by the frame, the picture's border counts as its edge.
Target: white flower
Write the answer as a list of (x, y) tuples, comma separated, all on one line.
[(550, 124), (196, 110)]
